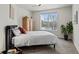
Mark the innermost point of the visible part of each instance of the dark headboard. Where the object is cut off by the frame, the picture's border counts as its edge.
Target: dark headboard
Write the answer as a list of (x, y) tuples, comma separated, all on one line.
[(8, 36)]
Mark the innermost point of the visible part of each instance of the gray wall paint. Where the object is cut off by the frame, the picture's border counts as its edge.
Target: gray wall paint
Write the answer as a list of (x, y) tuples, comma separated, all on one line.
[(76, 27), (4, 21), (21, 13)]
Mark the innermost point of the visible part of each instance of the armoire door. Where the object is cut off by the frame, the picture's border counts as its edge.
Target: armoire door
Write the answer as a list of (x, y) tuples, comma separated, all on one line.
[(25, 23)]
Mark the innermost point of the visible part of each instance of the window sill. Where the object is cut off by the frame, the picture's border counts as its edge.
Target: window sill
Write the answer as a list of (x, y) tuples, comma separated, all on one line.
[(47, 30)]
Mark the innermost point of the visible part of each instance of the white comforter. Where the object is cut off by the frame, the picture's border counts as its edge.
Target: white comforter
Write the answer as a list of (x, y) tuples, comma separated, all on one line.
[(34, 38)]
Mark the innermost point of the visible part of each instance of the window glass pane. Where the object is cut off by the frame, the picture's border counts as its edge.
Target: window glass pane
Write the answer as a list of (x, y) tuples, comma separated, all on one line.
[(48, 21)]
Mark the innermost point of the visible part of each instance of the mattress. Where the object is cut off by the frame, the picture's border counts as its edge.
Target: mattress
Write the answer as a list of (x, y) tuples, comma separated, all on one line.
[(34, 38)]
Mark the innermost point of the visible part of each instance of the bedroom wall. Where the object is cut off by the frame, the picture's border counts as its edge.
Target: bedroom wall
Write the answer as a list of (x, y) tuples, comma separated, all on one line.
[(4, 21), (21, 12), (64, 16), (76, 27), (14, 21)]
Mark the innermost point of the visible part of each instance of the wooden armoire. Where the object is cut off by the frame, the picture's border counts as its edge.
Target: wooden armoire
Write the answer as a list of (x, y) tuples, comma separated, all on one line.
[(26, 23)]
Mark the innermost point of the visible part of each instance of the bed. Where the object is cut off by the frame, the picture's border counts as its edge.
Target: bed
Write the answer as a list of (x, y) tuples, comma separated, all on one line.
[(34, 38), (29, 39)]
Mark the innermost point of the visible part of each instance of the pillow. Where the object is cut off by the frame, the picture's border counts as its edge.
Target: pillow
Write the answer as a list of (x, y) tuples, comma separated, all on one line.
[(16, 31), (22, 30)]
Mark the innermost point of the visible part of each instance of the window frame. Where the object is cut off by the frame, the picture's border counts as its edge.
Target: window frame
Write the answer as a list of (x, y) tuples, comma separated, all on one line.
[(41, 21)]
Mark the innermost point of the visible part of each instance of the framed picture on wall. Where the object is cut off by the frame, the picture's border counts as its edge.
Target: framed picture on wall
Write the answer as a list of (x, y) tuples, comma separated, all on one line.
[(76, 17), (11, 12)]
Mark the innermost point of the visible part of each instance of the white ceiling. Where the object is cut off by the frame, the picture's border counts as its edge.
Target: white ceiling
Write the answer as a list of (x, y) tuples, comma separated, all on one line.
[(33, 7)]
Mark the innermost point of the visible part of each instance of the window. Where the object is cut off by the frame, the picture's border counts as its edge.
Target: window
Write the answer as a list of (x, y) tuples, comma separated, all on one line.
[(49, 21)]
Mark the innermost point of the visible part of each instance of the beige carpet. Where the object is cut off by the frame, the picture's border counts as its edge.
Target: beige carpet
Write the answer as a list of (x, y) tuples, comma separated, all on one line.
[(62, 47)]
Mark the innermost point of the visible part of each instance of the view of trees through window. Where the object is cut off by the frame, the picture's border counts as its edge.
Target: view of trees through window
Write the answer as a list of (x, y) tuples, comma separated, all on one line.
[(49, 21)]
